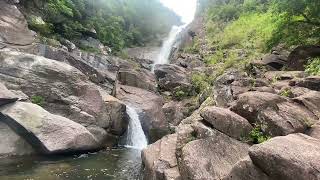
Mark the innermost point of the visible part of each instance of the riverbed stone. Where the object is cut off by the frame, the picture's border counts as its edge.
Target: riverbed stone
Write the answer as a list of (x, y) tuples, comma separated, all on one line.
[(47, 133)]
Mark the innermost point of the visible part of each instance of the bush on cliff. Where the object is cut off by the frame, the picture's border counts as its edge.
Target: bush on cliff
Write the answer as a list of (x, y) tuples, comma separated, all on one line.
[(241, 31)]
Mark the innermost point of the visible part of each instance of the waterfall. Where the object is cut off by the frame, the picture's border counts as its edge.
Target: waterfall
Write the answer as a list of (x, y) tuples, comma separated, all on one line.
[(135, 136), (171, 42)]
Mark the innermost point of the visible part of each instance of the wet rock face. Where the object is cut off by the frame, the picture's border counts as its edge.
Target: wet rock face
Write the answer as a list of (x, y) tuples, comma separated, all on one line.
[(295, 156), (46, 132), (152, 117)]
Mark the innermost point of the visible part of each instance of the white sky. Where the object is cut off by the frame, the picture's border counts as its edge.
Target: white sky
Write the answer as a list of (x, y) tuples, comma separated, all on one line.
[(184, 8)]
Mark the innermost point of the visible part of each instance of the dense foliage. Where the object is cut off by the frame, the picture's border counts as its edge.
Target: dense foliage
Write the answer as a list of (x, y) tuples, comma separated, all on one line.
[(243, 30), (118, 23)]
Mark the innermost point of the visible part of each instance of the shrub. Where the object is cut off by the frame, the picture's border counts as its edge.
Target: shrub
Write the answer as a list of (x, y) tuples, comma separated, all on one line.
[(313, 67), (36, 23), (200, 82), (286, 93), (257, 136), (39, 100), (179, 93)]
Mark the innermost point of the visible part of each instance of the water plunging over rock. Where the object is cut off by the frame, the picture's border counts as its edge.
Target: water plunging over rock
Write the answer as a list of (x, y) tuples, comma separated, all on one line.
[(168, 45), (135, 136)]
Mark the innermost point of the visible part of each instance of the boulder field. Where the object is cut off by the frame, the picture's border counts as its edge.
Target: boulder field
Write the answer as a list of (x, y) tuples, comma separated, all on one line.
[(217, 140)]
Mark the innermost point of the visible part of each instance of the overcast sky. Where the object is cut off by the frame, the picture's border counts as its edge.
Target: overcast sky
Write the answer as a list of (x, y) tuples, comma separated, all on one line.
[(184, 8)]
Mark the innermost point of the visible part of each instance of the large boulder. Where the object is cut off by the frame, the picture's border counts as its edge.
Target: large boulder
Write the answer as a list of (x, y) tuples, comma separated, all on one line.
[(6, 96), (149, 106), (276, 115), (222, 89), (170, 76), (211, 158), (11, 143), (299, 57), (295, 156), (314, 131), (312, 101), (176, 111), (246, 170), (46, 132), (160, 161), (94, 66), (284, 75), (311, 82), (227, 122), (58, 87), (140, 78), (14, 30), (228, 86)]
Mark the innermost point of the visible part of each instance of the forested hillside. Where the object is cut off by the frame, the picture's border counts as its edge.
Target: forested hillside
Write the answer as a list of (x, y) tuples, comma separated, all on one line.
[(118, 23), (242, 31)]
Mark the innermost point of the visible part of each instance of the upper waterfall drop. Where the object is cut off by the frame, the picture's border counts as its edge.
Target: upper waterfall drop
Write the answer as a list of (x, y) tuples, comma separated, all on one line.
[(187, 13), (171, 42)]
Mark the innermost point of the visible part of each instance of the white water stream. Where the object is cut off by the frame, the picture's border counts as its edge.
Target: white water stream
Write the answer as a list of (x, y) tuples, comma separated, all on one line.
[(186, 11), (135, 136), (170, 42)]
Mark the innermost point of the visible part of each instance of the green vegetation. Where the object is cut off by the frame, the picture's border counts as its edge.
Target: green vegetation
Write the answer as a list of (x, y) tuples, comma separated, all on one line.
[(242, 31), (194, 48), (287, 93), (179, 94), (313, 67), (118, 23), (200, 82), (39, 100), (257, 136)]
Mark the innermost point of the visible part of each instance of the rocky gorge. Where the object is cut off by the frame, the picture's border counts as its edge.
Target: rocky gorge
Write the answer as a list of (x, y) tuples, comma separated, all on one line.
[(262, 123)]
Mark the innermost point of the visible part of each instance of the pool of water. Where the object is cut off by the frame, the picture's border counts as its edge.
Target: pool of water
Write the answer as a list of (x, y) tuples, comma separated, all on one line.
[(117, 164)]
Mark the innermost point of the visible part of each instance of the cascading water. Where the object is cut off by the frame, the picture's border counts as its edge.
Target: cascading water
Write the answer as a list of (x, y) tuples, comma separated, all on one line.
[(135, 136), (174, 37), (169, 43)]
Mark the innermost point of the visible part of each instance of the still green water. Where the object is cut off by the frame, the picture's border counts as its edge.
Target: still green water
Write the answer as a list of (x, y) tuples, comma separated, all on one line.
[(118, 164)]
